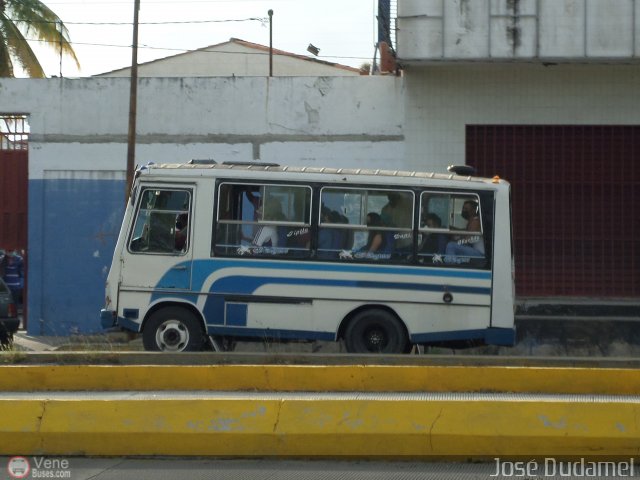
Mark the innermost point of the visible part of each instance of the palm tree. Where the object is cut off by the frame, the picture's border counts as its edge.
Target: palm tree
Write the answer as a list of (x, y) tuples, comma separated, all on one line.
[(21, 19)]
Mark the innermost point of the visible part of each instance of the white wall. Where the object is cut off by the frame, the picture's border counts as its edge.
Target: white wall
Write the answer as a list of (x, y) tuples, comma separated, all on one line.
[(442, 100), (78, 148), (416, 122), (564, 30), (328, 121)]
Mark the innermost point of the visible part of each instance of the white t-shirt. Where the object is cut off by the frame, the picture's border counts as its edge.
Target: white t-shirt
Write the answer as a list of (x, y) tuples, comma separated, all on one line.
[(266, 234)]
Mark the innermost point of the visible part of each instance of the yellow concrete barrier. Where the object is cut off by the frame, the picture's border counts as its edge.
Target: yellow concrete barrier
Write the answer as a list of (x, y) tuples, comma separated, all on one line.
[(365, 378), (299, 426), (283, 410)]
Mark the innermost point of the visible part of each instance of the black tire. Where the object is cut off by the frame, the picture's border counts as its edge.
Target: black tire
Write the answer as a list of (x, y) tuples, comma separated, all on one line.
[(376, 331), (173, 329), (6, 340)]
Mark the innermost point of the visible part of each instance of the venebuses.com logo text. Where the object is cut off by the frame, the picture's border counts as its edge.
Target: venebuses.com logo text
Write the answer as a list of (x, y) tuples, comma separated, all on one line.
[(38, 467)]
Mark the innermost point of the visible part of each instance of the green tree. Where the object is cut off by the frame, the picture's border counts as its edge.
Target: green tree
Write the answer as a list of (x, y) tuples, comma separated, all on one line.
[(22, 19)]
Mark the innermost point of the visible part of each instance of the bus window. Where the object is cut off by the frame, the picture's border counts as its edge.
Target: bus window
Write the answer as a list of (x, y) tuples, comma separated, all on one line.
[(263, 220), (451, 230), (161, 224), (367, 225)]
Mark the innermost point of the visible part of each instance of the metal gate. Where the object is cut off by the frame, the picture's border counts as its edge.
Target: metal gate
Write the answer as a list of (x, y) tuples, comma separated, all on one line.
[(576, 192), (14, 180), (13, 183)]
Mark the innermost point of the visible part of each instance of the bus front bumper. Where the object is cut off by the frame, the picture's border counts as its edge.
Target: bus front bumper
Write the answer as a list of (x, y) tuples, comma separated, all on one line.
[(108, 318)]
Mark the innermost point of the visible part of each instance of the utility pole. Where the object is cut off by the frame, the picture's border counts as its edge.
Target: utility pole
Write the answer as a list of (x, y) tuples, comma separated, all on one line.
[(270, 12), (133, 100), (61, 39)]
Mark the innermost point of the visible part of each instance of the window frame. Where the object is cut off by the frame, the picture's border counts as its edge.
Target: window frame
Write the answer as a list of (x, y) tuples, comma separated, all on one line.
[(448, 230), (361, 226), (140, 191), (372, 258), (484, 198), (480, 197), (217, 221)]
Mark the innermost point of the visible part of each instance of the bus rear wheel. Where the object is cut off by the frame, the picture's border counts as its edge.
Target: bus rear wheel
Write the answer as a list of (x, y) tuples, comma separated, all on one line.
[(376, 331), (173, 329)]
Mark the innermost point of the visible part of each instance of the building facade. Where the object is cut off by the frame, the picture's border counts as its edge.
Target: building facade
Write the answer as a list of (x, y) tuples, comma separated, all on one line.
[(543, 93), (78, 148)]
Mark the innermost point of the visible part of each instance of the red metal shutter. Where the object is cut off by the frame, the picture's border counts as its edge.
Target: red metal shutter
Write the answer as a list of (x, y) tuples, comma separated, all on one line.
[(575, 204), (13, 199)]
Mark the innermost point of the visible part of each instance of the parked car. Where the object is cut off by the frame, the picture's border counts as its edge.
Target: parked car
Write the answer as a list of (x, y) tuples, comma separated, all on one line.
[(9, 321)]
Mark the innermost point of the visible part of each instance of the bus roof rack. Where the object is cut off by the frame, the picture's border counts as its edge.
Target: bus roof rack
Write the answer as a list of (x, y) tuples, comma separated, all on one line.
[(251, 164), (203, 161), (463, 170)]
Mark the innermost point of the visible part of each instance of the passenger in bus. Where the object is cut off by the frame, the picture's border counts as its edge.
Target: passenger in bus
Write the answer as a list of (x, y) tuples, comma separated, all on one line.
[(468, 245), (342, 238), (269, 235), (253, 196), (241, 203), (161, 232), (297, 238), (433, 242), (376, 241), (182, 230), (330, 239), (397, 213), (325, 234)]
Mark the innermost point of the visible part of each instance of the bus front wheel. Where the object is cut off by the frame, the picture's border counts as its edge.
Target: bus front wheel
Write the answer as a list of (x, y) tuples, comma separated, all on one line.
[(375, 331), (173, 329)]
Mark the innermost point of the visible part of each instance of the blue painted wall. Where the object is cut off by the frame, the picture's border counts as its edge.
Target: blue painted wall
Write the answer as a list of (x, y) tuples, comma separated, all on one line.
[(73, 228)]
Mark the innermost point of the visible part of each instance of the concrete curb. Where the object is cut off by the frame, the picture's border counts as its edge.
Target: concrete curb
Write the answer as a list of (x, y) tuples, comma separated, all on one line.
[(344, 428), (321, 378), (315, 411), (110, 357)]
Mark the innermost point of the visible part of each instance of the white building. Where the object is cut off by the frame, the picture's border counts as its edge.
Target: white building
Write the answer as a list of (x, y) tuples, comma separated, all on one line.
[(236, 58), (545, 93)]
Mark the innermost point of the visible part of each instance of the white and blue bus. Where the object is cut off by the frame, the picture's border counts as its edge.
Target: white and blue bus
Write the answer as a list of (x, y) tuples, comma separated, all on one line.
[(209, 254)]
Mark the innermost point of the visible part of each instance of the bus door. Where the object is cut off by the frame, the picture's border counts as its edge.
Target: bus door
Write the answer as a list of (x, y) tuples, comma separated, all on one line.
[(159, 254)]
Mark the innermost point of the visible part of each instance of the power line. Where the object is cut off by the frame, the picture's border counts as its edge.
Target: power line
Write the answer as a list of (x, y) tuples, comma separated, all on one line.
[(157, 2), (175, 22), (203, 50)]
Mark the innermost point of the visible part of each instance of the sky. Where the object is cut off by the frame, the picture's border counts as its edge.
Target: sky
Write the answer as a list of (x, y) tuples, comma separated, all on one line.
[(101, 31)]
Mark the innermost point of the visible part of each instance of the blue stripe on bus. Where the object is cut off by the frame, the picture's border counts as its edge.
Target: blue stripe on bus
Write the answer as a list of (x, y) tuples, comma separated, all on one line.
[(236, 314), (243, 284), (491, 336), (217, 264), (202, 269)]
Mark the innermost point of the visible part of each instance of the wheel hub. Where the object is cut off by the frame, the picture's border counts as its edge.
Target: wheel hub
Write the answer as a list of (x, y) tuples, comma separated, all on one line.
[(172, 336), (375, 339)]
